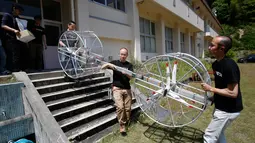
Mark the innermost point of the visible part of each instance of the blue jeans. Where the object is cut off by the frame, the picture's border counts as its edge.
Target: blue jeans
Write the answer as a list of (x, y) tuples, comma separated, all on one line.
[(2, 58)]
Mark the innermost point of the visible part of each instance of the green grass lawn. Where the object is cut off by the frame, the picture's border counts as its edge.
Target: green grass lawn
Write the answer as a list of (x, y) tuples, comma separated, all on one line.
[(143, 130)]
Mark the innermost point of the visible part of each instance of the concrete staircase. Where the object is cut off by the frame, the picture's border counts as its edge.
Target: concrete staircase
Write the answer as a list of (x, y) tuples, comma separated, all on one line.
[(82, 108)]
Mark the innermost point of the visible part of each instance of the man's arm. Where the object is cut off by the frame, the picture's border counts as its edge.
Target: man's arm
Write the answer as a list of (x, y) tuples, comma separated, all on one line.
[(231, 90), (127, 75), (6, 27), (131, 69), (62, 44)]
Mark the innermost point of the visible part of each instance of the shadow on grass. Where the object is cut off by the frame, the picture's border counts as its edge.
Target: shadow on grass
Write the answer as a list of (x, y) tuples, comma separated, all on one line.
[(185, 134), (158, 133)]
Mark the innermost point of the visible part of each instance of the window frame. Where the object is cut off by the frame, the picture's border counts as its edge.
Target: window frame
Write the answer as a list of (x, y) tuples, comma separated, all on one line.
[(169, 40), (114, 5), (151, 49)]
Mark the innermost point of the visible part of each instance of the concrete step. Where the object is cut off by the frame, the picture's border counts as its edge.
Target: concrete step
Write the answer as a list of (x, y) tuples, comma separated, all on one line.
[(85, 117), (48, 81), (75, 121), (83, 131), (42, 75), (73, 110), (66, 85), (74, 91), (54, 87), (89, 76), (65, 102)]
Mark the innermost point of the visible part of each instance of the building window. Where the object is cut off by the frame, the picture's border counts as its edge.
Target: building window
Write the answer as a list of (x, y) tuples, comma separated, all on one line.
[(174, 3), (169, 39), (116, 4), (31, 7), (182, 42), (147, 36), (51, 10)]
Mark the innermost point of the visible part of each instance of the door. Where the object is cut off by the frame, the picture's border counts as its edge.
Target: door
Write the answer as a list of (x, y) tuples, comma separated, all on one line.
[(52, 32)]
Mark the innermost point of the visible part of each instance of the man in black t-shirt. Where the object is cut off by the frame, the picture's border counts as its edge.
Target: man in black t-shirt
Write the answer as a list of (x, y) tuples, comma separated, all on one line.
[(227, 93), (36, 46), (121, 89)]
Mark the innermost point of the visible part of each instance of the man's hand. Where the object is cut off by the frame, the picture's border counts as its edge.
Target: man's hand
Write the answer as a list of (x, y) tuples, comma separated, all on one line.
[(207, 87), (17, 32), (108, 65)]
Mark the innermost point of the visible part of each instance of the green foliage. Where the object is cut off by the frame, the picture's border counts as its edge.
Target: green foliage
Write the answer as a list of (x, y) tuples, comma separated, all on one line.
[(228, 30), (247, 10), (136, 64), (237, 18), (231, 54), (248, 39), (235, 12), (222, 10), (208, 54)]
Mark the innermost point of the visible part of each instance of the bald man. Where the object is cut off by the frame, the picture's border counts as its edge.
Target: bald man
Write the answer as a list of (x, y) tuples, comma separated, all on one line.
[(227, 93)]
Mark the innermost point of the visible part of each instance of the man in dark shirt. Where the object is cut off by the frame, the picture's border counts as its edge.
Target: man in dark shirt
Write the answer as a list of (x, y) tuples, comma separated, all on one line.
[(12, 45), (227, 93), (121, 89), (69, 39), (67, 44), (36, 46)]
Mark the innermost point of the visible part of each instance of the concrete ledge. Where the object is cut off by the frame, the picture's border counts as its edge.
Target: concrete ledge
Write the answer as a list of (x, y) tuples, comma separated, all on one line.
[(46, 127)]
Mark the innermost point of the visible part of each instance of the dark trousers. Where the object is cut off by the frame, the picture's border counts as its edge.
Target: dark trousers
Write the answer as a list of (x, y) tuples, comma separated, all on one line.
[(2, 59), (36, 56), (13, 56), (16, 55)]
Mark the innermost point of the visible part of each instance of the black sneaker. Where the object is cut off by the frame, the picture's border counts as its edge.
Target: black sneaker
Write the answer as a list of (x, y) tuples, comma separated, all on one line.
[(123, 134)]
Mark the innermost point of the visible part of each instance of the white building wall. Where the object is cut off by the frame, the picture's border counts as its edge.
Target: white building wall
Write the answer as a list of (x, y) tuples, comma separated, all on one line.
[(200, 44), (160, 35), (112, 47), (108, 29), (133, 13), (122, 28), (82, 15), (108, 13), (176, 38), (180, 8)]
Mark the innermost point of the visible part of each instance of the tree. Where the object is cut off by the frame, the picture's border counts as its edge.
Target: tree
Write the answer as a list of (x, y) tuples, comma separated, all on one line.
[(248, 39), (247, 11), (235, 12), (222, 12)]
